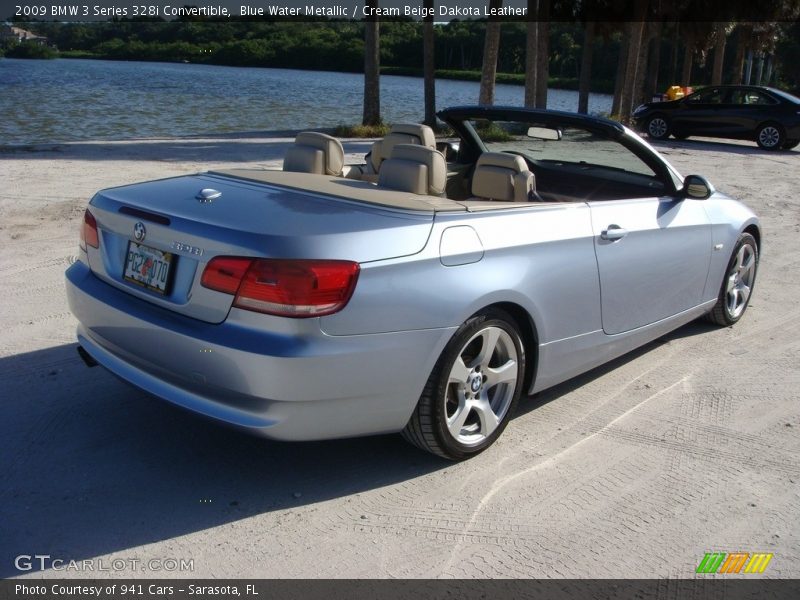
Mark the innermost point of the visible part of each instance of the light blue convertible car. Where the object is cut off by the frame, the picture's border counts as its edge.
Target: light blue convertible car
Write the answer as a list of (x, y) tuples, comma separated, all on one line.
[(421, 292)]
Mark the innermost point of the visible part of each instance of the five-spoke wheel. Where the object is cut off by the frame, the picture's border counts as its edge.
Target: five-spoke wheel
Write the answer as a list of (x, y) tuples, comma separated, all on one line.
[(472, 390), (737, 287)]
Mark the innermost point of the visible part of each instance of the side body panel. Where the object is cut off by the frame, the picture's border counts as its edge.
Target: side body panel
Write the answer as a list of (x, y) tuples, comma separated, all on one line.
[(655, 264)]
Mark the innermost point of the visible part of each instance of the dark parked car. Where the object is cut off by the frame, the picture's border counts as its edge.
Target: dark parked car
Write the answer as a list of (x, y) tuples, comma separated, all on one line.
[(742, 112)]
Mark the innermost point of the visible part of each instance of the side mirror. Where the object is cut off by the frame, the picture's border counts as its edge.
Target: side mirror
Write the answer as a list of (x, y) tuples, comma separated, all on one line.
[(697, 187)]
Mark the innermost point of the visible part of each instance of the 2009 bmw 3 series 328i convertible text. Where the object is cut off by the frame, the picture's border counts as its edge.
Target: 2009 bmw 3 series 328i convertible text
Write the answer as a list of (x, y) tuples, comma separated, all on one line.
[(422, 292)]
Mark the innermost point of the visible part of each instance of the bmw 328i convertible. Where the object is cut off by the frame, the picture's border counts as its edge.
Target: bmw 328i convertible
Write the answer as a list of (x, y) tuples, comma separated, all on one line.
[(421, 292)]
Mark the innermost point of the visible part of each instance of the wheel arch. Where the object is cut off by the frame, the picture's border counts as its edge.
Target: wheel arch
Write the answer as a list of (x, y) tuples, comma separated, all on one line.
[(529, 334), (771, 122), (755, 231)]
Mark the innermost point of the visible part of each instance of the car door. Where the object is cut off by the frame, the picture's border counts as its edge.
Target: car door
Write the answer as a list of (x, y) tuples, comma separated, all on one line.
[(701, 113), (752, 107), (653, 257)]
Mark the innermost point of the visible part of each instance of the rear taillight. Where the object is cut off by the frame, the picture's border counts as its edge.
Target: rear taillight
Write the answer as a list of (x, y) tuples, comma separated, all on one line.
[(225, 273), (89, 234), (289, 288)]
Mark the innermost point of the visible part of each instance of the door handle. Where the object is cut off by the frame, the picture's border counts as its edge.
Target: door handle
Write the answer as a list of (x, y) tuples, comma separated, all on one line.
[(613, 232)]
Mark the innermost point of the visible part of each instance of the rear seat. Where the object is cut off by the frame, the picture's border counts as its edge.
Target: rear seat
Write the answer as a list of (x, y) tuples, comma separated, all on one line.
[(400, 133), (415, 169), (504, 177)]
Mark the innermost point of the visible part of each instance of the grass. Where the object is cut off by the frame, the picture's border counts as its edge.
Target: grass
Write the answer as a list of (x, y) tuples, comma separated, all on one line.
[(361, 131)]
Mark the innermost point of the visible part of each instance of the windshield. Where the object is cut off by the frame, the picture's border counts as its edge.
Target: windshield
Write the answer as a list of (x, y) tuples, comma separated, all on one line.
[(566, 145)]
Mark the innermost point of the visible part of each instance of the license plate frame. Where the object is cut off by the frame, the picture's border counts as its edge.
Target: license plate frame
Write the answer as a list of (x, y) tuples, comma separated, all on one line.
[(157, 277)]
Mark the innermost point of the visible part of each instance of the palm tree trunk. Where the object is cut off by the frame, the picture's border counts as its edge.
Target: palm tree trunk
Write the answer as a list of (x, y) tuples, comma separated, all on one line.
[(653, 62), (543, 54), (688, 58), (621, 63), (648, 33), (491, 49), (719, 55), (531, 46), (585, 77), (429, 65), (372, 65), (635, 31)]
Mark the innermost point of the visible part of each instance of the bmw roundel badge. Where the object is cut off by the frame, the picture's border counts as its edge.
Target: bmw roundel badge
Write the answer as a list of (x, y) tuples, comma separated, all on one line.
[(139, 231)]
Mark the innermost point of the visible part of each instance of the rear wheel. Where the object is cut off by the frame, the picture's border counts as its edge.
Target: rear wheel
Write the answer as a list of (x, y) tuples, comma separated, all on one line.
[(473, 389), (737, 286), (658, 127), (770, 137)]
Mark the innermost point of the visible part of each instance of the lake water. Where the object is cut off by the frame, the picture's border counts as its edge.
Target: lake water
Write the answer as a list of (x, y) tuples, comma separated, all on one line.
[(44, 101)]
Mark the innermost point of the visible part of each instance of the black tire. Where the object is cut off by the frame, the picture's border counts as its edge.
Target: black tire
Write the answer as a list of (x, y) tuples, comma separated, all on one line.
[(428, 429), (657, 127), (727, 310), (770, 136), (789, 144)]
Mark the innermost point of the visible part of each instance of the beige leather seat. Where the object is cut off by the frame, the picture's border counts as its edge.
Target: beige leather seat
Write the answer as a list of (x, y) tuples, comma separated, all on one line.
[(415, 169), (315, 153), (503, 177), (400, 133)]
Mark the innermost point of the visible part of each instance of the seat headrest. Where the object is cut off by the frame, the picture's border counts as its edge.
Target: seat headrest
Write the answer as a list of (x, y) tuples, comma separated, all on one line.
[(502, 176), (423, 133), (416, 169), (401, 133), (502, 160), (314, 152)]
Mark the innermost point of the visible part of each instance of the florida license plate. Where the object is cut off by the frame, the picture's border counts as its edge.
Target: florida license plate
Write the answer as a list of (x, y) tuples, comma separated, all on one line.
[(148, 267)]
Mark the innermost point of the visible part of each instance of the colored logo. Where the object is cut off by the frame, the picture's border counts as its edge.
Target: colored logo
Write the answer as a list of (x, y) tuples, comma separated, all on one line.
[(735, 562)]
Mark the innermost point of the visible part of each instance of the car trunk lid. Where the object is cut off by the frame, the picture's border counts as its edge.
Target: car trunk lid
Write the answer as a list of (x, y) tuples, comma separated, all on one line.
[(186, 221)]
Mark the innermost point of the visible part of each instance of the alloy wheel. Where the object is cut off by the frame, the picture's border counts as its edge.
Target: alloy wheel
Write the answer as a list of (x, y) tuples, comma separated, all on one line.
[(740, 281), (481, 385), (657, 127), (769, 136)]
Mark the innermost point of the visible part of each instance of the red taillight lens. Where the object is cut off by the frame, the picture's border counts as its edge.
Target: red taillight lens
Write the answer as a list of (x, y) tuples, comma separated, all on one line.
[(289, 288), (225, 273), (89, 235)]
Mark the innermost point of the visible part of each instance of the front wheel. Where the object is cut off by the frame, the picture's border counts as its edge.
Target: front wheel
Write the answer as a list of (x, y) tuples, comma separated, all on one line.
[(473, 389), (770, 137), (658, 128), (737, 286)]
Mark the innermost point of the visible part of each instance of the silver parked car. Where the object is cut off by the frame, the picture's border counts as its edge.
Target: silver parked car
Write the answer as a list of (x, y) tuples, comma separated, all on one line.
[(422, 292)]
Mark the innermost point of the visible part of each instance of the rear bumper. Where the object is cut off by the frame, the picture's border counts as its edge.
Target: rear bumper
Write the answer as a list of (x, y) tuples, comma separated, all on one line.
[(290, 382)]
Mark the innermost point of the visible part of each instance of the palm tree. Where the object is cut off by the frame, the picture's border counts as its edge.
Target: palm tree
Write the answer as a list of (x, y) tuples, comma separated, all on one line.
[(721, 38), (633, 61), (429, 64), (372, 66), (543, 53), (586, 68), (491, 49), (531, 48)]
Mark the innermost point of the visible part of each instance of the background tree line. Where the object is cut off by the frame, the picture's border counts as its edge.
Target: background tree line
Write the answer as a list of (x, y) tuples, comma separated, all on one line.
[(666, 53), (458, 46)]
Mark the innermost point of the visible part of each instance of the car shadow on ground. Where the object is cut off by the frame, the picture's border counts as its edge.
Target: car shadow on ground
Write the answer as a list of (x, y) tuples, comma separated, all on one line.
[(93, 466), (246, 148)]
